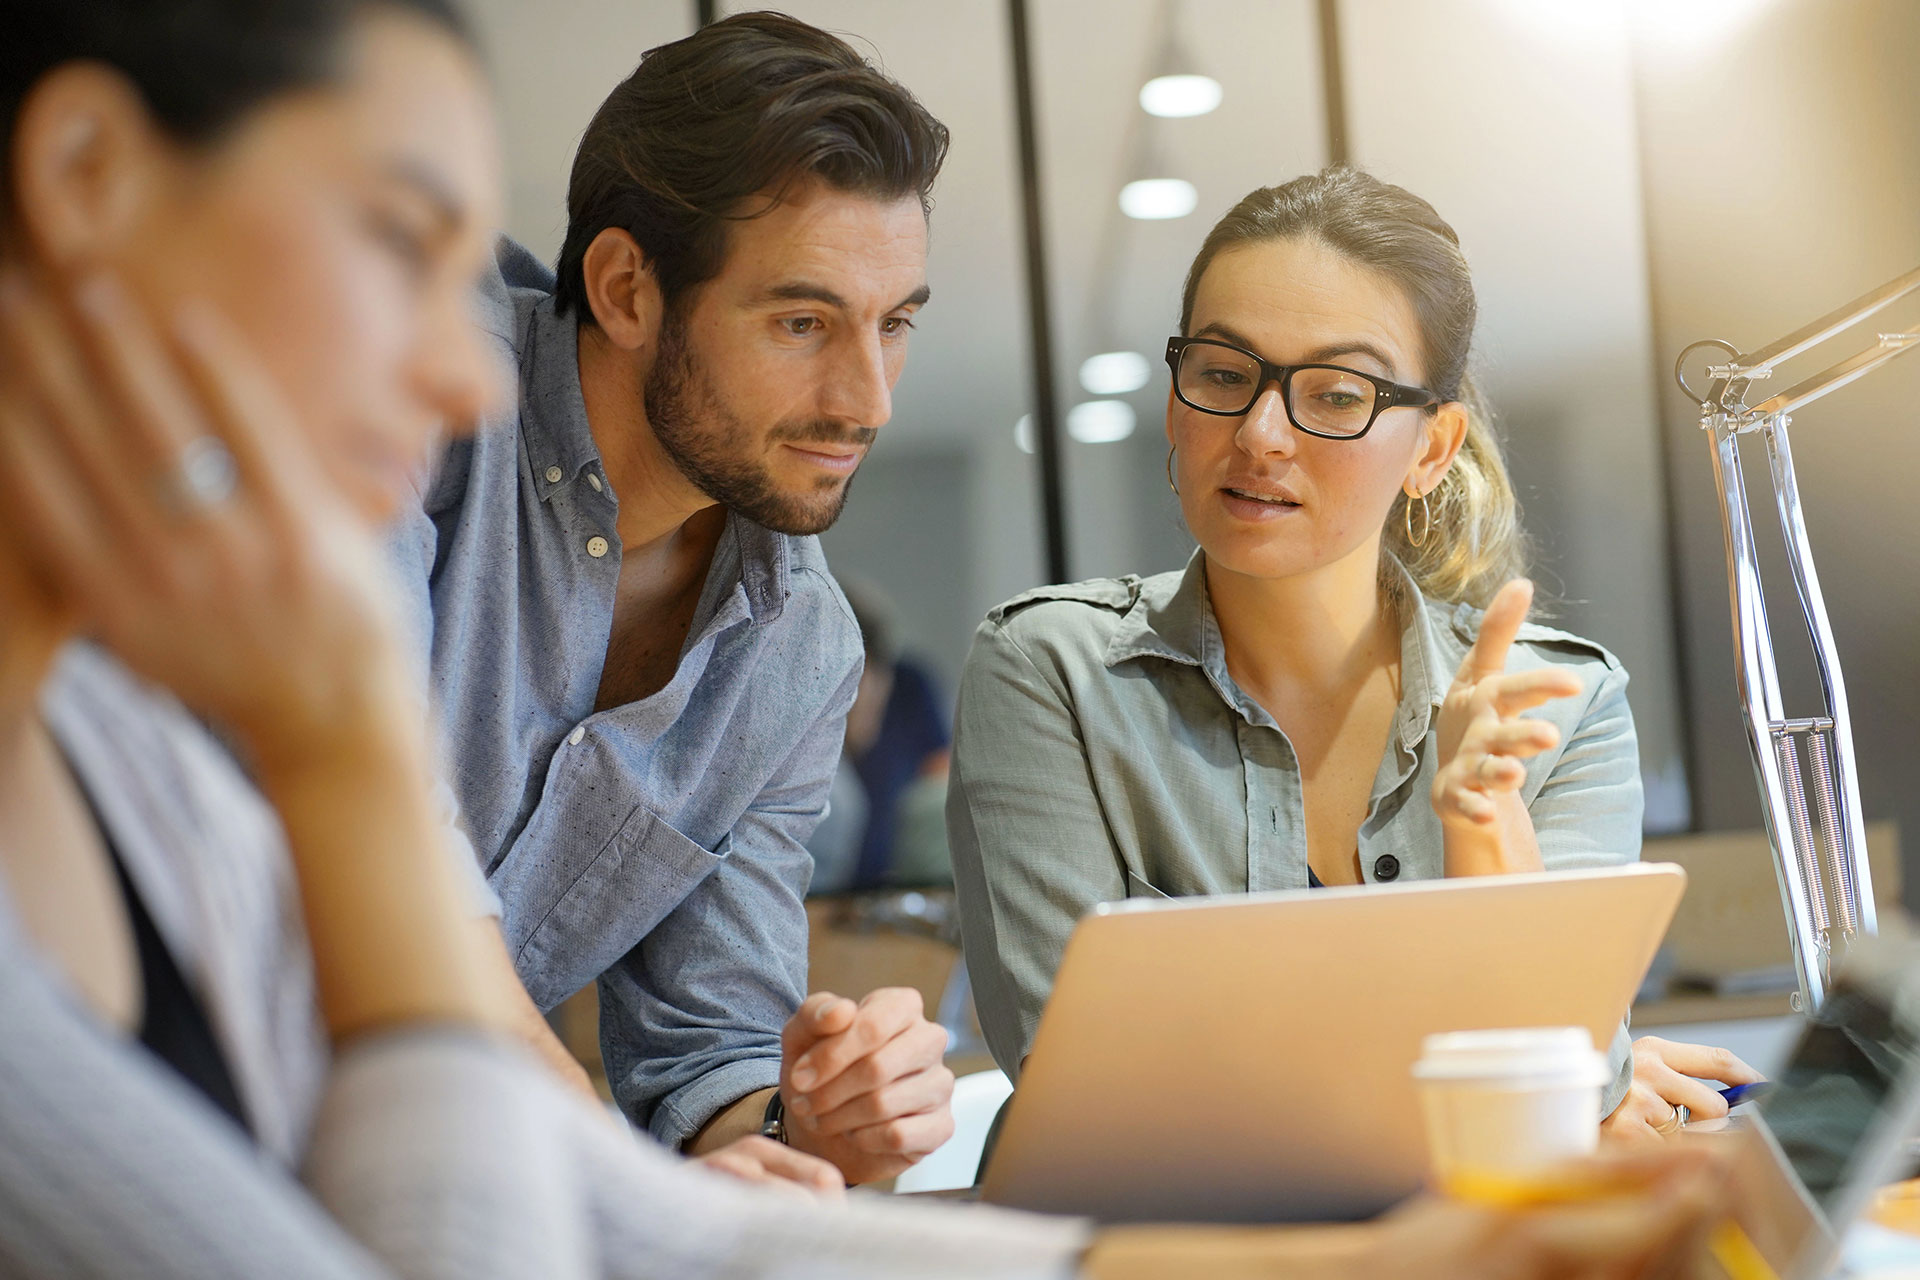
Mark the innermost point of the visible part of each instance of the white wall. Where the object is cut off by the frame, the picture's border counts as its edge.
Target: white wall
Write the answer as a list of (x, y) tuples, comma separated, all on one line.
[(553, 62), (1516, 119), (1783, 173)]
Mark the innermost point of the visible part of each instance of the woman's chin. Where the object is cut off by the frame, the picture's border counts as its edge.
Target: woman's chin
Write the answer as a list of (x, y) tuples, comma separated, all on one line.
[(1257, 553)]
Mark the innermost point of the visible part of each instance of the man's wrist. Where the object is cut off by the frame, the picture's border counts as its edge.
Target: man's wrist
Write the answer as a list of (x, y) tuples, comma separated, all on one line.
[(739, 1119)]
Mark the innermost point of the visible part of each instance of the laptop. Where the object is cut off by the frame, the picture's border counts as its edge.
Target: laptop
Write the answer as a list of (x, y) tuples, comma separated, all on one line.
[(1248, 1058), (1837, 1123)]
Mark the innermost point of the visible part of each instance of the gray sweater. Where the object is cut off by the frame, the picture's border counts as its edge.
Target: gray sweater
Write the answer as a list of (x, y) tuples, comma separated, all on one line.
[(421, 1153)]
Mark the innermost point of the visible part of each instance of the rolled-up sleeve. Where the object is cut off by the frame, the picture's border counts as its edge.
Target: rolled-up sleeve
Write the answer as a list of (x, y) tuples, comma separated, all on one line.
[(1588, 810), (691, 1017), (1031, 848), (546, 1187), (399, 1160)]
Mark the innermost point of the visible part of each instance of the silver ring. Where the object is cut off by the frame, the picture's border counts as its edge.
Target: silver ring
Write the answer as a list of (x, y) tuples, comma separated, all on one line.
[(1673, 1123), (203, 478), (1480, 770)]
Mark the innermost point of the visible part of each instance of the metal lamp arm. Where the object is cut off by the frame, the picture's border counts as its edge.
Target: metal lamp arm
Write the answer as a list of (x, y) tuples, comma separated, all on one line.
[(1805, 768)]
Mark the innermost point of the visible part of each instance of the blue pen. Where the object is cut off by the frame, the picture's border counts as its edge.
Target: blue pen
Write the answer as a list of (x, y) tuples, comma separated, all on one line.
[(1745, 1092)]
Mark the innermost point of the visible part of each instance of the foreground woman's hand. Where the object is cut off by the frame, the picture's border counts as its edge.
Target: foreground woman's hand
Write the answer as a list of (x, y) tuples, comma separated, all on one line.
[(162, 487), (1483, 741), (1651, 1220), (1648, 1215), (773, 1164), (864, 1084), (1667, 1076), (162, 492)]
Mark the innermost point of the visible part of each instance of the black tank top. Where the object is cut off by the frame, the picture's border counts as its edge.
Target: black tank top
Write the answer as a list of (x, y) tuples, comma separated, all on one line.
[(173, 1024)]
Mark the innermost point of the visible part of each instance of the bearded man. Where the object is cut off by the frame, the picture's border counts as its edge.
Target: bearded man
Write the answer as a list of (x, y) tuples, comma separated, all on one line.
[(642, 664)]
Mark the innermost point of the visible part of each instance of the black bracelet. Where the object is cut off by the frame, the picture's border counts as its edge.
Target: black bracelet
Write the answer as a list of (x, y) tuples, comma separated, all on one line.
[(774, 1123)]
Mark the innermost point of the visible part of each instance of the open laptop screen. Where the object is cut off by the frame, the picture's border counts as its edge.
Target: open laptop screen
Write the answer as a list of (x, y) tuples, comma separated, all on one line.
[(1842, 1086)]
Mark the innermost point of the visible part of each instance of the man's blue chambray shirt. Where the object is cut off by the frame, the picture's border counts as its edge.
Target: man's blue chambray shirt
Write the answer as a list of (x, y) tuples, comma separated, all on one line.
[(657, 846)]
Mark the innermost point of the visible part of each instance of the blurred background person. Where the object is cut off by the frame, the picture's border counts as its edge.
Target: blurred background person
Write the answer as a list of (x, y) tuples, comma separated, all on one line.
[(888, 827)]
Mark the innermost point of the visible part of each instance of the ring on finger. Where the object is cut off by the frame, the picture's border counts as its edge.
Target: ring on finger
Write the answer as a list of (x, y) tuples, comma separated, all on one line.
[(203, 477), (1480, 770), (1681, 1114)]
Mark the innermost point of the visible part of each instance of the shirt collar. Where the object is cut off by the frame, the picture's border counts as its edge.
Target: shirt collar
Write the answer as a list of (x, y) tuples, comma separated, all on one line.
[(1430, 652), (766, 563), (1166, 621), (553, 410), (1172, 619)]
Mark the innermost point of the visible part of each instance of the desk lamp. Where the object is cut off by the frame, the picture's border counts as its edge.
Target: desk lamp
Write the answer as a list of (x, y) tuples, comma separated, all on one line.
[(1804, 765)]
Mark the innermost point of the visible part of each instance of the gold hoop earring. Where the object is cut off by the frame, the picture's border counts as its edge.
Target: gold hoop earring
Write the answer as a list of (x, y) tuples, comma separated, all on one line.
[(1426, 520), (1170, 484)]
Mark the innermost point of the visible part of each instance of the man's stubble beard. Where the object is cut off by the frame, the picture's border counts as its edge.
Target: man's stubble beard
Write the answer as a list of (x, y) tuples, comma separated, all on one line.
[(711, 445)]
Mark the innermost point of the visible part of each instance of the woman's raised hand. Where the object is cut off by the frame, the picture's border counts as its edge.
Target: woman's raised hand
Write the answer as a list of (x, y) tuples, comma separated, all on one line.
[(1484, 739), (161, 489)]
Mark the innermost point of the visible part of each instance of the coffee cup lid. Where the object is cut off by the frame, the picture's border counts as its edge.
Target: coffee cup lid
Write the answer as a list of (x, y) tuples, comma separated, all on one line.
[(1562, 1052)]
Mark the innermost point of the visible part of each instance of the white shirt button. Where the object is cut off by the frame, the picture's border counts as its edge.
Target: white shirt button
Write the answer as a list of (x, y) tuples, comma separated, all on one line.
[(554, 474), (594, 480), (596, 546), (579, 732)]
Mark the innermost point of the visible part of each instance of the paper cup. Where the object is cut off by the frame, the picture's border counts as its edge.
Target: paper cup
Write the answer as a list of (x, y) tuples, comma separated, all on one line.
[(1505, 1109)]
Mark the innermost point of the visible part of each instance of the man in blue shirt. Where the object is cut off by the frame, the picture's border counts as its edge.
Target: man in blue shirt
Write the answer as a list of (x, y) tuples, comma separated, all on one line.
[(642, 663)]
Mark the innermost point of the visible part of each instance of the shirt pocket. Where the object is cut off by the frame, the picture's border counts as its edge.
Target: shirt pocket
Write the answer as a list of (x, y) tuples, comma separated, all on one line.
[(637, 879)]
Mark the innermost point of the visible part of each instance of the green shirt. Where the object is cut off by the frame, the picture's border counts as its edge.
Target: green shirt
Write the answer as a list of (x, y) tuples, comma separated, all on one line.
[(1102, 751)]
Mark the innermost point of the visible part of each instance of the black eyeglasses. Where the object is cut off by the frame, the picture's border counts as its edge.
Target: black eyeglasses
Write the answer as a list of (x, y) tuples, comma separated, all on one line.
[(1325, 400)]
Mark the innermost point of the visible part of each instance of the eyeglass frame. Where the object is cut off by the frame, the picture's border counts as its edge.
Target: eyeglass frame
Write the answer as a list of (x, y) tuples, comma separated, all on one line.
[(1387, 393)]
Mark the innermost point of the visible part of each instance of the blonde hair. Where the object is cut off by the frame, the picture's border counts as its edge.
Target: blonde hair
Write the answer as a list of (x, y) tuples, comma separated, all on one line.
[(1475, 541)]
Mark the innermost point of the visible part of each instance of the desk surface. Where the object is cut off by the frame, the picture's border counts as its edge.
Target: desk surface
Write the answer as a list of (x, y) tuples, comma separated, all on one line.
[(1710, 1008)]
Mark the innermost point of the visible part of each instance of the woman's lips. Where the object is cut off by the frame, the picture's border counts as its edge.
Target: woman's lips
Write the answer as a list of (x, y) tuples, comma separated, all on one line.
[(1257, 505)]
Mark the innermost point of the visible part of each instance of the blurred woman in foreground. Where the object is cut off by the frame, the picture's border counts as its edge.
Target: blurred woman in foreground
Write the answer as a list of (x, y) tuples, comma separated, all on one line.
[(247, 1030)]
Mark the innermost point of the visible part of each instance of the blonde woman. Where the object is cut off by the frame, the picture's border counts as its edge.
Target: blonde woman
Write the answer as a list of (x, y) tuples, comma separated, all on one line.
[(1332, 691)]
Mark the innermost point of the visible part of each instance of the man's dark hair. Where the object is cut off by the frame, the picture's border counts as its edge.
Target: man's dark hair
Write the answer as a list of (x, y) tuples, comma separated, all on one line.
[(747, 106)]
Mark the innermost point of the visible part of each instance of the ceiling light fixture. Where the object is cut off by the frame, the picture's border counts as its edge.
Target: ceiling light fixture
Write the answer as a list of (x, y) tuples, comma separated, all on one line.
[(1100, 421), (1155, 199), (1114, 373), (1179, 95)]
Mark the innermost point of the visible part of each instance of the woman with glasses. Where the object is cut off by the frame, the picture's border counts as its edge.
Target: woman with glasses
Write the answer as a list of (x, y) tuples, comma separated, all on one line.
[(1332, 691)]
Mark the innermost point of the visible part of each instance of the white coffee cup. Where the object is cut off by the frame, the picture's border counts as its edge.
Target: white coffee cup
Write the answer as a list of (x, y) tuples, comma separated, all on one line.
[(1504, 1108)]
